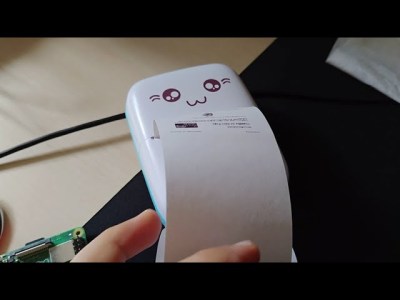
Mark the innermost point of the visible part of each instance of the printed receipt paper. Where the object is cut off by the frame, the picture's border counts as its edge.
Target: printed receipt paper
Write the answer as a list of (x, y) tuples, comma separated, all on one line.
[(226, 182)]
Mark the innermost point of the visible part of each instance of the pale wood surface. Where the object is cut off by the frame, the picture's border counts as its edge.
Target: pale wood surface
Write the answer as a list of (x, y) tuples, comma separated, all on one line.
[(54, 83)]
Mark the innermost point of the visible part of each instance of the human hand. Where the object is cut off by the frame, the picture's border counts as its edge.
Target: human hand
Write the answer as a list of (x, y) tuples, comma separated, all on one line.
[(123, 241)]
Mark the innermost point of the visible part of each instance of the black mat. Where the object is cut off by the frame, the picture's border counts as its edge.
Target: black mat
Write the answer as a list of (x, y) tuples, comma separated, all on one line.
[(341, 140)]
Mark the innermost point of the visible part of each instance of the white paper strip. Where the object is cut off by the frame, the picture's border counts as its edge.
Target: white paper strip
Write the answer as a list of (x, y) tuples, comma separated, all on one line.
[(226, 182)]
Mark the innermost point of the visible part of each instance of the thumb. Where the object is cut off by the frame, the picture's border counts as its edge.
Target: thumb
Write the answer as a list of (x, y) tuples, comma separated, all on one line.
[(245, 251)]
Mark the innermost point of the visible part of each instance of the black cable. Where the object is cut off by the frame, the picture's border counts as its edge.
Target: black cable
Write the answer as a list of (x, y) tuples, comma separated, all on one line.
[(61, 133)]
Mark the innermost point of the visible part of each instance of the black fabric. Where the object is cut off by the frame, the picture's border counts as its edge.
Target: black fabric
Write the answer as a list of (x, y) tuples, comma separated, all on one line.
[(341, 141)]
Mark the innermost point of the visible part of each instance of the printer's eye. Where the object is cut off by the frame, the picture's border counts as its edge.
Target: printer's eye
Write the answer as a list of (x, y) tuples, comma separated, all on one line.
[(212, 85), (171, 95)]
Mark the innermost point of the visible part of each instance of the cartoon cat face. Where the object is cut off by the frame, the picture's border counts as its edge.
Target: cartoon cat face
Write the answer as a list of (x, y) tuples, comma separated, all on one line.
[(173, 94), (191, 91)]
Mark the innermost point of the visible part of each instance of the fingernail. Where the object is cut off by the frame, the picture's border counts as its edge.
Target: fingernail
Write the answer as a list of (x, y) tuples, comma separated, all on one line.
[(243, 245), (245, 251)]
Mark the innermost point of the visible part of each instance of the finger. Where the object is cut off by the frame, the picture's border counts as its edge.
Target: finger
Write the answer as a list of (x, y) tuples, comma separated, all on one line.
[(123, 241), (1, 222), (245, 251)]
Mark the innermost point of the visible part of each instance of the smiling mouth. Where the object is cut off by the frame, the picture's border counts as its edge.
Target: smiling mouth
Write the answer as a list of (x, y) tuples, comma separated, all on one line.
[(197, 101)]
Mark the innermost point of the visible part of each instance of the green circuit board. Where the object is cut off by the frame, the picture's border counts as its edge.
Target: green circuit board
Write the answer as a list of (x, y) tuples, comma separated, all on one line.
[(59, 248)]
